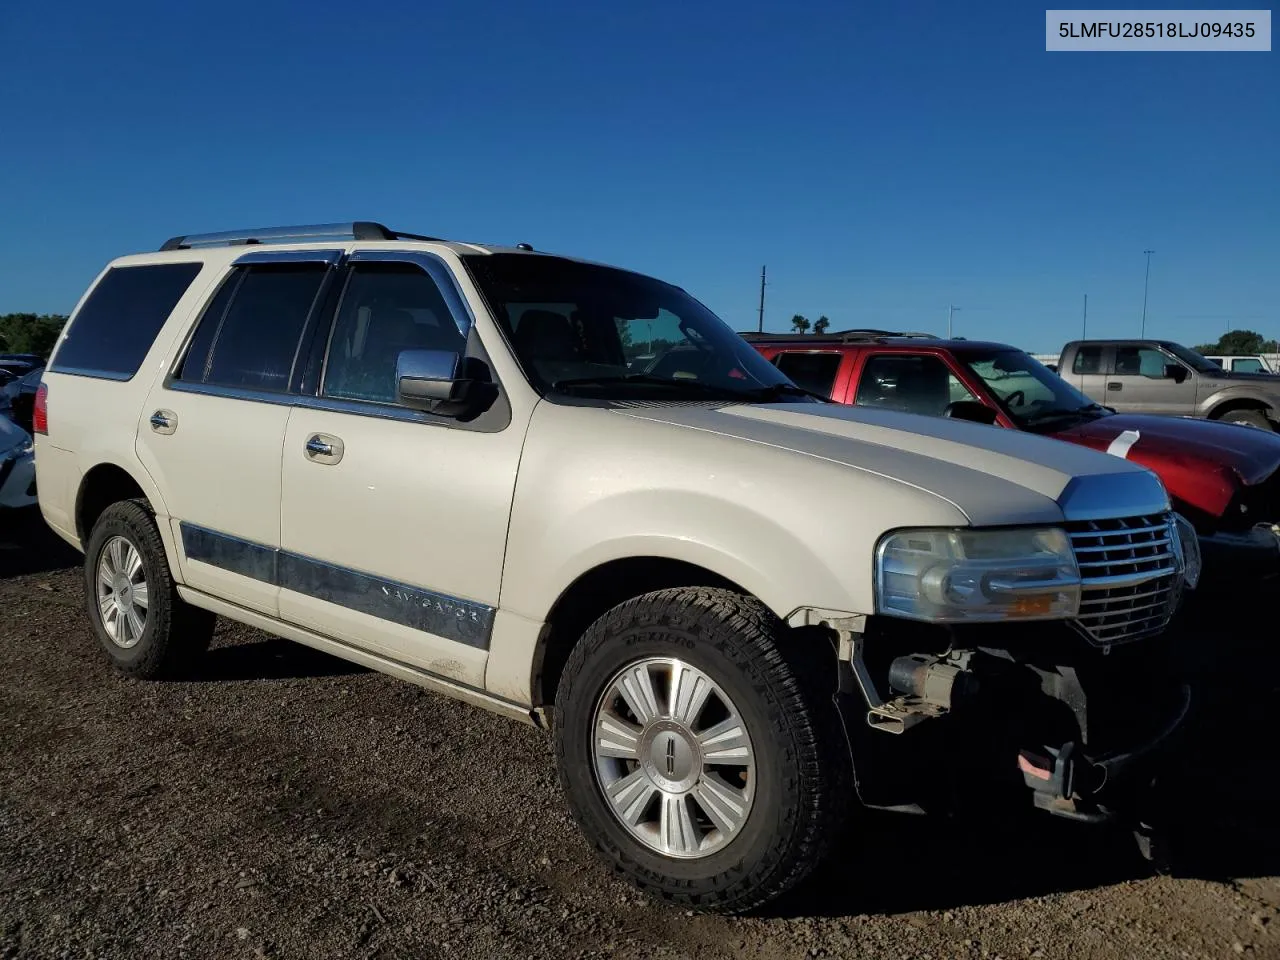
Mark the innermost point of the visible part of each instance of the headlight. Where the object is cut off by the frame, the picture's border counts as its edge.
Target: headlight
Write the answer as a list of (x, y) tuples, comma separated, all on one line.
[(1189, 546), (946, 576)]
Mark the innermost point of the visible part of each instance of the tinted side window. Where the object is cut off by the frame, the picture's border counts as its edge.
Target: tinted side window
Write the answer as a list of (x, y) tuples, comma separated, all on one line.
[(921, 385), (386, 308), (119, 321), (813, 371), (248, 336), (1088, 360), (1248, 365), (195, 364)]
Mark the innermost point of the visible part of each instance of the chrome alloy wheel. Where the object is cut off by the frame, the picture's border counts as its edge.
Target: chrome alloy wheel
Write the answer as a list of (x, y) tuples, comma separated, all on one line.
[(122, 592), (673, 757)]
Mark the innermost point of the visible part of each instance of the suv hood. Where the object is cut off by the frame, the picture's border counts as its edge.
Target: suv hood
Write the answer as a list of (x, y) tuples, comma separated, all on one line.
[(1202, 462), (992, 475)]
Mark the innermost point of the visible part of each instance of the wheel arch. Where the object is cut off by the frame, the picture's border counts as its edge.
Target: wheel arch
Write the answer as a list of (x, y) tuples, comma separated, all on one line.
[(1219, 406), (599, 590), (101, 486), (109, 482)]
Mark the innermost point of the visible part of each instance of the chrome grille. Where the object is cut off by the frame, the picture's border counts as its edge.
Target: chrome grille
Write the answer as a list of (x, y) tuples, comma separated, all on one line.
[(1129, 574)]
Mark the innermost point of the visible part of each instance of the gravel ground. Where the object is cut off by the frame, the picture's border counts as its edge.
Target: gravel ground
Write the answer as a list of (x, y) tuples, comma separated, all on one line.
[(290, 805)]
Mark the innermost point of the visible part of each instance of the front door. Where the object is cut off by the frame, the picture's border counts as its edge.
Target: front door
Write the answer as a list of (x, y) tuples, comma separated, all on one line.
[(911, 383), (213, 430), (1138, 381), (394, 522)]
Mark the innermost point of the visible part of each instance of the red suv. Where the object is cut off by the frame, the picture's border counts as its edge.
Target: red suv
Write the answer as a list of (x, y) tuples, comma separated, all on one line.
[(1221, 476)]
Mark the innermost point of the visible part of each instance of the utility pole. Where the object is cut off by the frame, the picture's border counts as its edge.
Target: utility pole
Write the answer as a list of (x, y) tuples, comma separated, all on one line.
[(1084, 323), (951, 309), (760, 327), (1146, 280)]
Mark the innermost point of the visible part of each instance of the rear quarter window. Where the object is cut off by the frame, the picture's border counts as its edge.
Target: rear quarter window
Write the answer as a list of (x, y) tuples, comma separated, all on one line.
[(114, 329)]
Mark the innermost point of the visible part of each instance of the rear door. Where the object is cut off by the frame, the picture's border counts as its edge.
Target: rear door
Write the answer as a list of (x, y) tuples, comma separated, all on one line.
[(1088, 371), (1137, 382), (213, 430)]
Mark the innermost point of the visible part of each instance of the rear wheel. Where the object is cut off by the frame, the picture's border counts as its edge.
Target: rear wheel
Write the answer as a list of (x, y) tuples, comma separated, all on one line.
[(1248, 418), (146, 629), (699, 750)]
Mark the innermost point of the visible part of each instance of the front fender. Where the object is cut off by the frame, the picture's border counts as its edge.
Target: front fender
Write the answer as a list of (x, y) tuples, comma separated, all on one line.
[(758, 553), (1227, 395)]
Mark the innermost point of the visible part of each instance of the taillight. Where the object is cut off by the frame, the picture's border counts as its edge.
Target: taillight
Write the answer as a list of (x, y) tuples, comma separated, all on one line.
[(40, 414)]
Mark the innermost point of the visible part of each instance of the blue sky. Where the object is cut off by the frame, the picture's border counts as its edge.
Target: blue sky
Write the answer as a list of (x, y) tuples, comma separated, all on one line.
[(884, 159)]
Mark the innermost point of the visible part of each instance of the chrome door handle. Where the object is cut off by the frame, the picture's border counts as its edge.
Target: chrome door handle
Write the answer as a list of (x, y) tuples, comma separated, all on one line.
[(164, 421), (323, 448)]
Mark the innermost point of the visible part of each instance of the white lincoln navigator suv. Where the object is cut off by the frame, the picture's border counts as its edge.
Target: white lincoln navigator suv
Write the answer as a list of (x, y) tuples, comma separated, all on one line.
[(571, 494)]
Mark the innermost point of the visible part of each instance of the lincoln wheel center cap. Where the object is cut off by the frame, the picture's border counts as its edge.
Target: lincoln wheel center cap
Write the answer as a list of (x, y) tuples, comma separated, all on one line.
[(670, 756), (122, 588)]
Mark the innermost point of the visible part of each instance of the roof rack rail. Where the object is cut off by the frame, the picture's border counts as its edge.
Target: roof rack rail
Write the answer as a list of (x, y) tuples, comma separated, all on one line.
[(840, 336), (357, 230)]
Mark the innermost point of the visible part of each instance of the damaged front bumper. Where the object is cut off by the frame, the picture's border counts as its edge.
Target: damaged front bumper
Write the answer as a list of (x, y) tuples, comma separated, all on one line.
[(1008, 718), (1066, 782)]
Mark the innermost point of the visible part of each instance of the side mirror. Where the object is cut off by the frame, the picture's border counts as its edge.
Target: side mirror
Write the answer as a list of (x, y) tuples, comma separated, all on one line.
[(435, 381), (1175, 372), (970, 410)]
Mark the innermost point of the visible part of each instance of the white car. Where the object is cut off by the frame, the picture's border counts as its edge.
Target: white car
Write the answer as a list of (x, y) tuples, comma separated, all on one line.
[(17, 467), (1253, 363), (745, 612)]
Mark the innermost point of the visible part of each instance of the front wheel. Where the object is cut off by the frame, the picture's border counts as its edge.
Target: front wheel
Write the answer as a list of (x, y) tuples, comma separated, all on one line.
[(700, 750), (1247, 418)]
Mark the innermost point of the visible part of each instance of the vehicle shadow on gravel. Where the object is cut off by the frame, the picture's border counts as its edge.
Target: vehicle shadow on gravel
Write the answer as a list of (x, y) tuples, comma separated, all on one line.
[(271, 659), (28, 546)]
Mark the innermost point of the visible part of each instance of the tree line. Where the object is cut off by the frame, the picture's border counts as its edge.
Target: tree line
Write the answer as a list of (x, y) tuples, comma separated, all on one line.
[(1238, 343), (801, 324), (30, 332)]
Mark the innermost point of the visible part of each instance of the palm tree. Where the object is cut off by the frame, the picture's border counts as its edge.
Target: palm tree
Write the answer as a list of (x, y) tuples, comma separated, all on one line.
[(800, 324)]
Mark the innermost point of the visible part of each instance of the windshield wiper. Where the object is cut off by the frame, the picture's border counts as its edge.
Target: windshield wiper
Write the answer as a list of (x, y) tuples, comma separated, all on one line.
[(1047, 415), (776, 390), (757, 394), (648, 379)]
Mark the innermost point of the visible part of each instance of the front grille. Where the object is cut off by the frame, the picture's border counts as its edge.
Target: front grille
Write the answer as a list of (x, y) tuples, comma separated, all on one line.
[(1129, 575)]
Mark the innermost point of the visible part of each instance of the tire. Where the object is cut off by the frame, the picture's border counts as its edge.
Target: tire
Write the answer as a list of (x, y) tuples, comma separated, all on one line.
[(173, 634), (1247, 418), (797, 779)]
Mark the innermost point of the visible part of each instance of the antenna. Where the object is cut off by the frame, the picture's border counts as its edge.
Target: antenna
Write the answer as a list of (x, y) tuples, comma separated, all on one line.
[(760, 325)]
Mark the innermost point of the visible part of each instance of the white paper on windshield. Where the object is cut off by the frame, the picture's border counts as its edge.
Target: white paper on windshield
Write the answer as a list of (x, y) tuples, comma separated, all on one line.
[(1121, 445)]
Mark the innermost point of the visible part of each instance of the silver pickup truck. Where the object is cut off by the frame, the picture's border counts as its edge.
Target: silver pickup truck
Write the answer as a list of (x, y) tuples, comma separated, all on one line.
[(1160, 376)]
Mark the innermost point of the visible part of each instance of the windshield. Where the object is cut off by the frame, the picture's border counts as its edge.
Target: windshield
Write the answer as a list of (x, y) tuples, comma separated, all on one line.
[(598, 331), (1029, 392), (1191, 358)]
